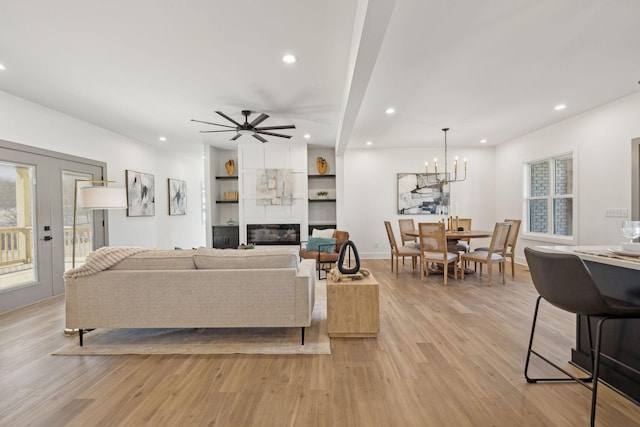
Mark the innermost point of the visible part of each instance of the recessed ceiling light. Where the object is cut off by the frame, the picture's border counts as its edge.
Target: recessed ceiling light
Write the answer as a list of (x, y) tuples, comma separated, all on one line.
[(162, 138), (483, 141), (289, 59), (2, 67), (560, 107), (369, 143), (390, 110), (307, 136)]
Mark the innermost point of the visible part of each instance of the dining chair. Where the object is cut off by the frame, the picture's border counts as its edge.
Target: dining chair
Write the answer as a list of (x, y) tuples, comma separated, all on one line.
[(407, 224), (463, 245), (402, 251), (433, 249), (495, 252), (564, 281), (511, 243)]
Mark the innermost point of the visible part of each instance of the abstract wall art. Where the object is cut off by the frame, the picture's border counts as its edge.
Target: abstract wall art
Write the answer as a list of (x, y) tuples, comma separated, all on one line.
[(274, 187), (419, 194), (177, 197), (141, 194)]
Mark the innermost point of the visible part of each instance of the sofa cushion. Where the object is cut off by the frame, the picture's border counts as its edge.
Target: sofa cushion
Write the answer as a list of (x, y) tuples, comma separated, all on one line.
[(208, 258), (158, 260)]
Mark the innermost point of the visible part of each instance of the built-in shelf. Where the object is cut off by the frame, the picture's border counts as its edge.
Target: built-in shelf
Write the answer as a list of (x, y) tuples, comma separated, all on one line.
[(226, 201), (322, 210), (321, 176), (227, 178)]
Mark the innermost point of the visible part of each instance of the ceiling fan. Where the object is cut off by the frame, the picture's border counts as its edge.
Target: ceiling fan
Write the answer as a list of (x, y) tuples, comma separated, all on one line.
[(247, 128)]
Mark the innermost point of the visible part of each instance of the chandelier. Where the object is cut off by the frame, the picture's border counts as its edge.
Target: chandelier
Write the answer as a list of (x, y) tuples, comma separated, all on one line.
[(444, 178)]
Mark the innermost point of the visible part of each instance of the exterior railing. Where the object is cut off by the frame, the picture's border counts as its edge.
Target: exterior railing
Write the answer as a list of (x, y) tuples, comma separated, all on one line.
[(83, 242), (16, 244)]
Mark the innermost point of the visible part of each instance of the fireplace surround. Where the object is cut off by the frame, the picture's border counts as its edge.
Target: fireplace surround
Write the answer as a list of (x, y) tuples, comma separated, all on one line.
[(273, 234)]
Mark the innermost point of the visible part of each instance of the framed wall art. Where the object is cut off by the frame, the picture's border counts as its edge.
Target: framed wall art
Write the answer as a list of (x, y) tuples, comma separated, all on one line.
[(141, 194), (177, 197), (422, 193)]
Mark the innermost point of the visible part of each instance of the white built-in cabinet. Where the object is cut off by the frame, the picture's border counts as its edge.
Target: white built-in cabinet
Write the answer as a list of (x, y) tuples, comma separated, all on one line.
[(307, 208), (322, 189)]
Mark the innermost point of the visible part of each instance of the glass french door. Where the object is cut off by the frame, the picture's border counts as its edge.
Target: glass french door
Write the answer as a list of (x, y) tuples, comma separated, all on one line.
[(36, 218)]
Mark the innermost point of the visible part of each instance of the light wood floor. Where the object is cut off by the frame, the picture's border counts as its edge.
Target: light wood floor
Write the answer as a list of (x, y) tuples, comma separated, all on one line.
[(444, 357)]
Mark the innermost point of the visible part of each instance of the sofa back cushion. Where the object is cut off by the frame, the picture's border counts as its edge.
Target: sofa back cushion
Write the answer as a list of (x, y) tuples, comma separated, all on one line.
[(208, 258), (158, 260)]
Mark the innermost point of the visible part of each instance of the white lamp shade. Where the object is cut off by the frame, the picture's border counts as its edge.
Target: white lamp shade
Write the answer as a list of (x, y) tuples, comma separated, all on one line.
[(103, 198)]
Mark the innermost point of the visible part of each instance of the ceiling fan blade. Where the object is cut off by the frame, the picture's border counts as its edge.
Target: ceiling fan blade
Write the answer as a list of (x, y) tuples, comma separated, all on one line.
[(261, 118), (209, 123), (214, 131), (228, 118), (273, 134), (276, 127), (259, 138), (238, 135)]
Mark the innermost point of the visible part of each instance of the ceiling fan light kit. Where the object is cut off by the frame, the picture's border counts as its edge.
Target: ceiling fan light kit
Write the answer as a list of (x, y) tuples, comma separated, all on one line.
[(247, 128)]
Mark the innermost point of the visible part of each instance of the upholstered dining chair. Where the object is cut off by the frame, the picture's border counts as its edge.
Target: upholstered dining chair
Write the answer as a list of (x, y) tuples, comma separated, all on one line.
[(495, 252), (433, 249), (511, 243), (455, 223), (565, 282), (407, 224), (402, 251)]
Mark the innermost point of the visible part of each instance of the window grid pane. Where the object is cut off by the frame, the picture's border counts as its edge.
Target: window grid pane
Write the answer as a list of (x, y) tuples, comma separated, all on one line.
[(563, 217), (563, 176), (540, 179), (538, 216)]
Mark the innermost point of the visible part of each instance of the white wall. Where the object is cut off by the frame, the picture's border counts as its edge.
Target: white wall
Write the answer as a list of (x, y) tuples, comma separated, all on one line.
[(602, 138), (27, 123), (370, 192)]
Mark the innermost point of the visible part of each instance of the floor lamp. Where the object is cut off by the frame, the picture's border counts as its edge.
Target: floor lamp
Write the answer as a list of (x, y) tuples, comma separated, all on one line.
[(95, 198)]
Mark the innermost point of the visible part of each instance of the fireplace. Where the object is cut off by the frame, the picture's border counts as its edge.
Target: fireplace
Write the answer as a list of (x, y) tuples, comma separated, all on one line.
[(273, 234)]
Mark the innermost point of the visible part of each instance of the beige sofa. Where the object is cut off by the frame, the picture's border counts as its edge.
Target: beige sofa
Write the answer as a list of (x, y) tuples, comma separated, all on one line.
[(203, 288)]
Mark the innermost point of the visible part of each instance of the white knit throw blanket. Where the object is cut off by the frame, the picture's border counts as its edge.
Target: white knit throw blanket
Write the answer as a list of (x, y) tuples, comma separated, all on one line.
[(101, 259)]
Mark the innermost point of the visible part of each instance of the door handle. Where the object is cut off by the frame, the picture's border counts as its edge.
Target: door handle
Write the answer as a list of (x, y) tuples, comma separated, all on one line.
[(47, 238)]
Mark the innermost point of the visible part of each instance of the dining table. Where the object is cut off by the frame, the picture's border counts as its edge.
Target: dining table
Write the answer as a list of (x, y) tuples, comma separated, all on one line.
[(455, 234), (452, 238)]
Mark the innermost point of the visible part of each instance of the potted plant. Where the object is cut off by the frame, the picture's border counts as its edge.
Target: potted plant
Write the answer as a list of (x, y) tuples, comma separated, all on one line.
[(322, 194)]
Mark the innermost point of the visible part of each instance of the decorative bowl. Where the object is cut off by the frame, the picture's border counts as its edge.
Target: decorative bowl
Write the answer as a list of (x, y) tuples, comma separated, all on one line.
[(631, 247)]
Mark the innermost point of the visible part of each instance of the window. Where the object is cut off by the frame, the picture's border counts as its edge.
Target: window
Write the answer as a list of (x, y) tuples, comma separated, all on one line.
[(549, 196)]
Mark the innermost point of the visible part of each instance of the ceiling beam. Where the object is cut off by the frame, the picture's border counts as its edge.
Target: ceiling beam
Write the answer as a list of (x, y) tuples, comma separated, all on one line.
[(370, 26)]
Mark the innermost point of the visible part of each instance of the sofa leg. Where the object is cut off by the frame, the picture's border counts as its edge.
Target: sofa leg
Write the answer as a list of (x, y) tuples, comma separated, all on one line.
[(80, 334), (302, 335)]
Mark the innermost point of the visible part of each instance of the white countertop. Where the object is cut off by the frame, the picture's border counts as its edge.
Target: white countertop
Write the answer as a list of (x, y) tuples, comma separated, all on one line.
[(607, 256)]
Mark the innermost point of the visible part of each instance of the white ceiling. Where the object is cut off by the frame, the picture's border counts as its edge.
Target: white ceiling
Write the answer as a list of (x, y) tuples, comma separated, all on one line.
[(490, 69)]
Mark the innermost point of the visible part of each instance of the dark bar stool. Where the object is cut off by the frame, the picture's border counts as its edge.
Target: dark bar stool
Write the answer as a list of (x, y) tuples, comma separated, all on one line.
[(564, 281)]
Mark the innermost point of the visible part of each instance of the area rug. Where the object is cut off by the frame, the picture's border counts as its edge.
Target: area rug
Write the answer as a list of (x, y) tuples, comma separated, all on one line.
[(209, 340)]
